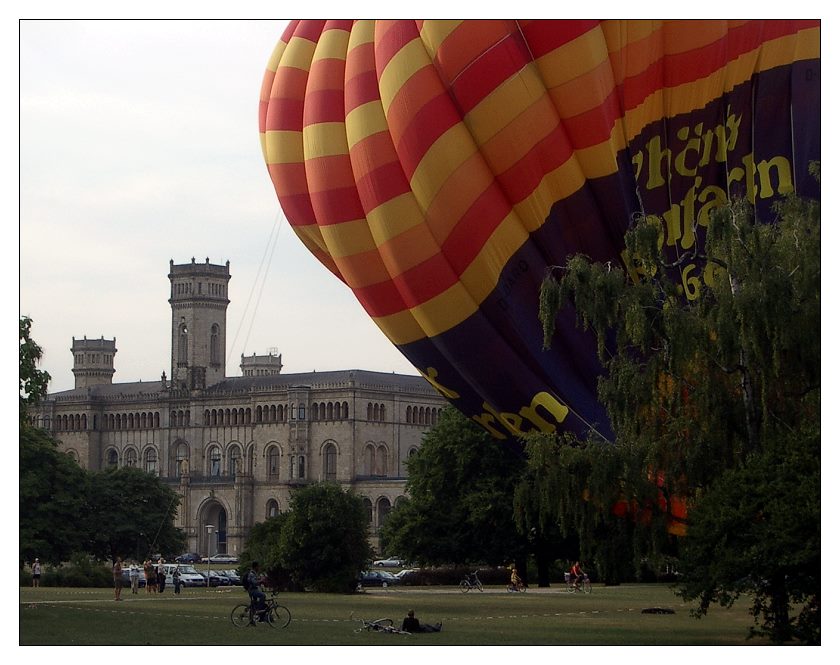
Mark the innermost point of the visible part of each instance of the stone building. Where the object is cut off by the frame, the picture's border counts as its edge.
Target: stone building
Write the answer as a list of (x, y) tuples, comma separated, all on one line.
[(235, 448)]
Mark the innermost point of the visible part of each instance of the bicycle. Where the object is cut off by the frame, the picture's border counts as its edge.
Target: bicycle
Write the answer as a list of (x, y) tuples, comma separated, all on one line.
[(517, 588), (274, 614), (381, 626), (580, 585), (471, 581)]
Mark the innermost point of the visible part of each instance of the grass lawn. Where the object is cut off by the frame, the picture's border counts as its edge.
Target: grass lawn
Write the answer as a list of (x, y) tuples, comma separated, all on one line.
[(609, 616)]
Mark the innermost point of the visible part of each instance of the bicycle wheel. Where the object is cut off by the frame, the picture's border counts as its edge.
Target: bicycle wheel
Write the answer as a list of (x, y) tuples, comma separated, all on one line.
[(279, 617), (587, 586), (479, 585), (465, 586), (240, 616)]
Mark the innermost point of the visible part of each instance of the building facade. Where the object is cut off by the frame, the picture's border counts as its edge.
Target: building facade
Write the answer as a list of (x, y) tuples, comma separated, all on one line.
[(235, 448)]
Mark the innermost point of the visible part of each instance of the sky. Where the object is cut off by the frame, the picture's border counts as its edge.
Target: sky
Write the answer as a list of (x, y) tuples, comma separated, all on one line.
[(139, 143)]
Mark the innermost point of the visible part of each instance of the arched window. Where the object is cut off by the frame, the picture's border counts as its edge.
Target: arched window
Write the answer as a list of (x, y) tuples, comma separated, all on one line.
[(234, 460), (370, 411), (111, 458), (408, 414), (383, 507), (214, 345), (381, 461), (182, 343), (273, 412), (143, 421), (274, 463), (370, 460), (330, 459), (214, 458), (84, 421), (301, 464), (369, 510), (259, 414), (182, 459), (412, 452), (272, 509), (151, 461), (131, 458)]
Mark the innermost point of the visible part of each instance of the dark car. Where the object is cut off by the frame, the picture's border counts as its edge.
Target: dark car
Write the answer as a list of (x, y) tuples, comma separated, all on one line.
[(188, 557), (215, 578), (378, 578), (232, 575)]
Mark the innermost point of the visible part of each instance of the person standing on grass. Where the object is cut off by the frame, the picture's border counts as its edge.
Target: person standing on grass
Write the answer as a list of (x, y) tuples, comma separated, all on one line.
[(134, 576), (117, 578), (151, 576), (161, 575), (176, 579), (36, 573)]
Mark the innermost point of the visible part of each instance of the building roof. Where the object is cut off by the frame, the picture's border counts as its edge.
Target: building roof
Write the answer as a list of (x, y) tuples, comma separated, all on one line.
[(357, 378)]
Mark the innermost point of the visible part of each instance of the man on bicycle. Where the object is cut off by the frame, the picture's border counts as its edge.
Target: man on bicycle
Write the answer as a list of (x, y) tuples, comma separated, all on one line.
[(576, 575), (515, 580), (252, 586)]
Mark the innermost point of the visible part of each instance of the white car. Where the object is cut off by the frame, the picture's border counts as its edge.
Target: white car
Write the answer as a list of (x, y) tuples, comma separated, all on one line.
[(390, 562), (189, 575), (223, 558)]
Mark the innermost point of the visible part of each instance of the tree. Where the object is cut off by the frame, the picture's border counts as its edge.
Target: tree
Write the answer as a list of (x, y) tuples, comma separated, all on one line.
[(263, 546), (33, 382), (323, 539), (132, 514), (460, 506), (707, 372), (53, 495)]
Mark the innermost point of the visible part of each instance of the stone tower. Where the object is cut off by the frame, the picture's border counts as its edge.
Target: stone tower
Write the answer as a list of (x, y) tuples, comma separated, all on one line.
[(93, 361), (255, 365), (199, 322)]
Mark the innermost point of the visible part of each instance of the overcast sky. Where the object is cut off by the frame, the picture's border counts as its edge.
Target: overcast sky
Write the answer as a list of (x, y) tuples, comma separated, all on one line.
[(139, 143)]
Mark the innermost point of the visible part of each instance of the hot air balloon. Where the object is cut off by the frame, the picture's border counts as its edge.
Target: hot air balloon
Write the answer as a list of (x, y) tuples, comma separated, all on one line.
[(439, 167)]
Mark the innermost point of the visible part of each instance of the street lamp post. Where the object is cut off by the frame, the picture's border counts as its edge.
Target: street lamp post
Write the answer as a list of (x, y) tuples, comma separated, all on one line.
[(210, 529)]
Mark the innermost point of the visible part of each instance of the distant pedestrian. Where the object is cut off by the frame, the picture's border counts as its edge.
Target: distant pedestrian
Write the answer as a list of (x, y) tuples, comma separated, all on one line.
[(151, 576), (36, 573), (134, 576), (117, 578), (161, 575), (176, 578)]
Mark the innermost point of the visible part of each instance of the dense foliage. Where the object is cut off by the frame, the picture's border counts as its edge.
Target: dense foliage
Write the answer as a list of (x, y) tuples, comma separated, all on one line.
[(65, 509), (320, 543), (460, 506), (711, 382)]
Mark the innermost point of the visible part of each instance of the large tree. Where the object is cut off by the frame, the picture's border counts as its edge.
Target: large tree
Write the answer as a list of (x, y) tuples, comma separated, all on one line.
[(460, 506), (323, 538), (132, 514), (53, 488), (712, 364)]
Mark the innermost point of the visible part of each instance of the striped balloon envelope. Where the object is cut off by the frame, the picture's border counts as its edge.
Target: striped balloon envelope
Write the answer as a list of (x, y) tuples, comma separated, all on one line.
[(439, 167)]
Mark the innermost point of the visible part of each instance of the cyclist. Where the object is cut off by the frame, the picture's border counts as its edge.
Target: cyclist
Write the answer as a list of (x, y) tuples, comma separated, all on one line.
[(252, 586), (576, 575), (515, 580)]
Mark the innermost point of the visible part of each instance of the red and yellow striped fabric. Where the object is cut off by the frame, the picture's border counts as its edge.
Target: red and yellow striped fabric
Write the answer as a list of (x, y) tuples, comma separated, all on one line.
[(438, 168)]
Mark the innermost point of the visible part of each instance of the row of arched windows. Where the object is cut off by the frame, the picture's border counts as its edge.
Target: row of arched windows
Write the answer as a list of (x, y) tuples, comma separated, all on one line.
[(415, 415), (131, 459), (68, 422), (144, 420), (376, 412), (330, 411), (228, 416)]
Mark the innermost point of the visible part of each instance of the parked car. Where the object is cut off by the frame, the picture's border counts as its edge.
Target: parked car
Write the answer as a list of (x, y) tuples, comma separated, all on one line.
[(215, 578), (223, 558), (378, 578), (189, 575), (390, 562), (224, 580), (188, 557), (233, 576), (406, 575)]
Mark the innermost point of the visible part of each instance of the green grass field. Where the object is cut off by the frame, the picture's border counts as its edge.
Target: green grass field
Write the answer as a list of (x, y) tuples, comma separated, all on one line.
[(609, 616)]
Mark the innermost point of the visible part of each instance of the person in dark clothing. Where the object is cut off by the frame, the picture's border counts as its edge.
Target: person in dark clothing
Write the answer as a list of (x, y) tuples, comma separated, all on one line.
[(411, 625), (252, 586)]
